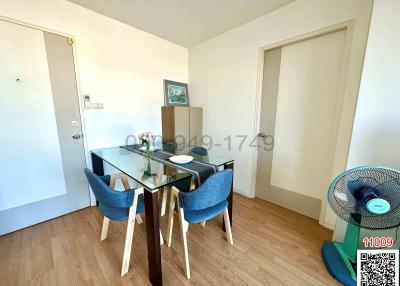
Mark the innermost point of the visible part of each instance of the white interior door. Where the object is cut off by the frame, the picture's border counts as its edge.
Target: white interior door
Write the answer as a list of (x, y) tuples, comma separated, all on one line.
[(42, 165), (299, 107)]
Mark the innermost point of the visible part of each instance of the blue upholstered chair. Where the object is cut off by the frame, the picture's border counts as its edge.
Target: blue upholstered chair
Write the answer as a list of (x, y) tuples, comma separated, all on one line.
[(171, 145), (199, 151), (118, 206), (204, 203)]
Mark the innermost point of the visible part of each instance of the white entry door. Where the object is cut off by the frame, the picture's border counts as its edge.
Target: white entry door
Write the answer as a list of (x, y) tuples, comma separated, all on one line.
[(301, 109), (42, 151)]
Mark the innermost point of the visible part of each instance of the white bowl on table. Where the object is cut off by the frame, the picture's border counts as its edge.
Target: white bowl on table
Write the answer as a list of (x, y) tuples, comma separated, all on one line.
[(181, 159)]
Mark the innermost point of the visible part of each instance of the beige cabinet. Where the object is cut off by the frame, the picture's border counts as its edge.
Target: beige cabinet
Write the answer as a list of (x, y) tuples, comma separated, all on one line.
[(182, 125)]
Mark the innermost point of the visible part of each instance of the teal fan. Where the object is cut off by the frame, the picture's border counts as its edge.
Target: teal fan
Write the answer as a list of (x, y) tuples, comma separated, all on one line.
[(365, 197)]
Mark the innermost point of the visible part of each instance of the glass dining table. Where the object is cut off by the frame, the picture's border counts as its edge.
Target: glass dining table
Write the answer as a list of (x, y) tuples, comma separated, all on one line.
[(153, 175)]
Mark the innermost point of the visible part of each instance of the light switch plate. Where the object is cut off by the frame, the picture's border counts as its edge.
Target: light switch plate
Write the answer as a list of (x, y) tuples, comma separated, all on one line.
[(86, 101)]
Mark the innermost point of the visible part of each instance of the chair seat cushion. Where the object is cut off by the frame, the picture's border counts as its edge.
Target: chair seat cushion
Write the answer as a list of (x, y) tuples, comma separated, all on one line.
[(198, 216), (120, 214)]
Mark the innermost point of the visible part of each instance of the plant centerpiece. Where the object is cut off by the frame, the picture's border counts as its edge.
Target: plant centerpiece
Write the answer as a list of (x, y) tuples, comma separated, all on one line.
[(147, 139)]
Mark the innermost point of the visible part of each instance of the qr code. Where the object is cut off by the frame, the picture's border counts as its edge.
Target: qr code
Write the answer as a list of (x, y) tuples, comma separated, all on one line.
[(378, 267)]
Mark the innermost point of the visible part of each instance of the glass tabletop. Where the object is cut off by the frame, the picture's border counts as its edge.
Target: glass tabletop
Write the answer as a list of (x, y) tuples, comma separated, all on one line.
[(149, 173), (153, 174)]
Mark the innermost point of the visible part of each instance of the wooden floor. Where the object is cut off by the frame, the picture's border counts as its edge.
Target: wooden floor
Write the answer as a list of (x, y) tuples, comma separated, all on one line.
[(272, 246)]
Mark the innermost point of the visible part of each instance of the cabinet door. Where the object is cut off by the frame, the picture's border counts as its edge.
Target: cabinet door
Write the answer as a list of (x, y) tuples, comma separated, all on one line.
[(195, 126), (182, 126), (168, 123)]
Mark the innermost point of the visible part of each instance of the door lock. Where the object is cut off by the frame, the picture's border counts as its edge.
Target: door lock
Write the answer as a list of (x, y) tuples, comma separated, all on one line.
[(261, 134), (76, 136)]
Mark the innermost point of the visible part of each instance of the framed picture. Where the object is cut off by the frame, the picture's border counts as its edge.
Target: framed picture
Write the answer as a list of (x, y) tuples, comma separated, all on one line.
[(176, 93)]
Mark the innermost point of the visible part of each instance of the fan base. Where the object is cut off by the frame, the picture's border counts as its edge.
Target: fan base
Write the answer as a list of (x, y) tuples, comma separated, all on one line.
[(339, 257), (339, 267)]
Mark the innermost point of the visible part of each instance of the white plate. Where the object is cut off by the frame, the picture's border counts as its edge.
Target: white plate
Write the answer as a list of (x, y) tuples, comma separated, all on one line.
[(181, 159), (152, 148)]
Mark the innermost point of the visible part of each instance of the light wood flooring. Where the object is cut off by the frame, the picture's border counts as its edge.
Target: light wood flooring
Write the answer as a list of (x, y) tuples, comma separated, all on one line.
[(272, 246)]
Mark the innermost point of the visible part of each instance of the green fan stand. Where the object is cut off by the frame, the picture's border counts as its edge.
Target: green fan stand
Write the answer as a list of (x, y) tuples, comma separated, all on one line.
[(348, 248)]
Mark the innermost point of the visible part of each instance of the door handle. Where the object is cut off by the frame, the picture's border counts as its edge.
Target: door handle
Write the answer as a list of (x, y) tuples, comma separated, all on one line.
[(261, 134), (76, 136)]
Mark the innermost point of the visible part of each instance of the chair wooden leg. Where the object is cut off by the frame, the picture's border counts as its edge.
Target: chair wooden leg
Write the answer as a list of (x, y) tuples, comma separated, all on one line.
[(104, 230), (125, 181), (164, 201), (185, 226), (228, 226), (122, 177), (129, 233), (139, 219), (161, 238), (184, 241), (112, 181), (171, 217), (128, 242)]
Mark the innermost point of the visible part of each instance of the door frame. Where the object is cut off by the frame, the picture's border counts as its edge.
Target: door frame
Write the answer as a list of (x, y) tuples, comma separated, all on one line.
[(78, 86), (349, 94)]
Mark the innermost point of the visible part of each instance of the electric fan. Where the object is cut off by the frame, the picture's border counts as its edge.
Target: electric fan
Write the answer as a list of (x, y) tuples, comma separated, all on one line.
[(366, 197)]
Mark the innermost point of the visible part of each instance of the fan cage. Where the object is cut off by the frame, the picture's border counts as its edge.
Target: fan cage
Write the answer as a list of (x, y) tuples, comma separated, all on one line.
[(387, 183)]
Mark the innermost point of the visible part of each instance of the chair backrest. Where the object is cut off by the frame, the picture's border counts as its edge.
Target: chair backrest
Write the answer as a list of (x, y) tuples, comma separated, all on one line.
[(215, 190), (171, 145), (107, 196), (199, 151)]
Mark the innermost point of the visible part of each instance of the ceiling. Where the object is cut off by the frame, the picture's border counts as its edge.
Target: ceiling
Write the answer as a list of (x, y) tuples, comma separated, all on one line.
[(184, 22)]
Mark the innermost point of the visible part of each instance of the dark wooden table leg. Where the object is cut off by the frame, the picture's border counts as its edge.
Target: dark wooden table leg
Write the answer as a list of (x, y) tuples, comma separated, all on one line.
[(230, 198), (153, 237), (97, 165)]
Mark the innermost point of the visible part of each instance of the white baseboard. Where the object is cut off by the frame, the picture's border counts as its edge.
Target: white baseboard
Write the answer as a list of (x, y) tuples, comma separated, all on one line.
[(327, 225), (243, 193)]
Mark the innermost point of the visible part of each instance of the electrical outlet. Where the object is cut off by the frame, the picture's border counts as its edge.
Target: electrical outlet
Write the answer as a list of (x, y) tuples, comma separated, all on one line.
[(96, 105)]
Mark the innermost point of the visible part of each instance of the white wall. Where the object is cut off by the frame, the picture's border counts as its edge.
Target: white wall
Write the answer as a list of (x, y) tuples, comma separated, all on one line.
[(118, 65), (223, 71), (376, 131)]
